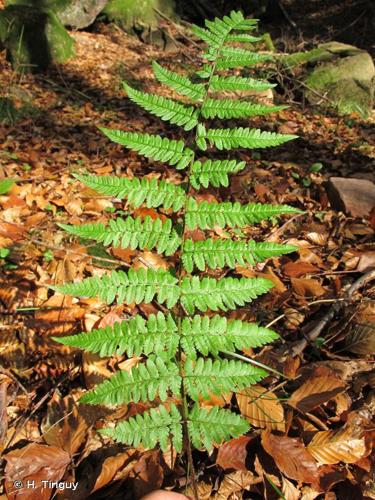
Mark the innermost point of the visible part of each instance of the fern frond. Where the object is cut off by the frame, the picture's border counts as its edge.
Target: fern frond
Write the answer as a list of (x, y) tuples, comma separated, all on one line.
[(251, 138), (204, 377), (179, 83), (131, 233), (214, 172), (208, 215), (152, 146), (136, 336), (150, 192), (232, 57), (166, 109), (208, 427), (158, 425), (223, 294), (137, 286), (221, 253), (143, 383), (221, 335), (238, 83), (229, 108)]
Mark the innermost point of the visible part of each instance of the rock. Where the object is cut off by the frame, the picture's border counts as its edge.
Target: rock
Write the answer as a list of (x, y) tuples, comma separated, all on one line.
[(79, 14), (342, 77), (139, 13), (355, 197), (33, 37)]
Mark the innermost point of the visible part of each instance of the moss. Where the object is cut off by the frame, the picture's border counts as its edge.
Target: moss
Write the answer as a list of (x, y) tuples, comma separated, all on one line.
[(129, 13)]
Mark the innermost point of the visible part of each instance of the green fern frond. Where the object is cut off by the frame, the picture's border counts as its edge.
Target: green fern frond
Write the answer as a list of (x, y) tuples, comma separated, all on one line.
[(156, 426), (214, 172), (208, 427), (218, 30), (204, 377), (229, 108), (136, 336), (152, 146), (179, 83), (223, 294), (143, 383), (166, 109), (207, 215), (136, 286), (221, 253), (251, 138), (131, 233), (221, 335), (232, 57), (238, 83), (150, 192)]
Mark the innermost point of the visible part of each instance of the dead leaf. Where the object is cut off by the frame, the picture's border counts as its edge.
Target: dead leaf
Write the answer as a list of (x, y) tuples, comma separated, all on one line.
[(289, 491), (307, 287), (64, 426), (147, 474), (321, 385), (361, 339), (31, 465), (261, 408), (111, 465), (342, 445), (291, 457), (4, 382), (233, 453), (299, 268), (235, 482)]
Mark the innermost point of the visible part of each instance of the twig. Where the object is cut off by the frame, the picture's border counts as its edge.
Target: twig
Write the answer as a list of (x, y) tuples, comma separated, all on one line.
[(298, 347)]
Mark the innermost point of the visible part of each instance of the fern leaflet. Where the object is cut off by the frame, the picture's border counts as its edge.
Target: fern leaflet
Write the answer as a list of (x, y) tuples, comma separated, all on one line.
[(157, 426), (166, 109), (228, 108), (179, 83), (219, 253), (149, 192), (131, 233), (238, 83), (214, 172)]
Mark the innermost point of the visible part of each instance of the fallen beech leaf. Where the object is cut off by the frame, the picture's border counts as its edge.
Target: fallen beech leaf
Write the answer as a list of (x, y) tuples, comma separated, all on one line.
[(12, 231), (342, 445), (289, 491), (307, 287), (261, 408), (64, 426), (299, 268), (291, 457), (34, 463), (361, 339), (147, 474), (322, 385), (233, 454), (4, 382), (235, 482), (111, 466)]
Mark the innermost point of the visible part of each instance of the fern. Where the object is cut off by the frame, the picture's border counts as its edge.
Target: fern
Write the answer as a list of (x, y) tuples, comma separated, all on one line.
[(131, 233), (182, 353)]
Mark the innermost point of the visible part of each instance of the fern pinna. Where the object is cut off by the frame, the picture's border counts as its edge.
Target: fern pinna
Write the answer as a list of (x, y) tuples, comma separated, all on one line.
[(187, 356)]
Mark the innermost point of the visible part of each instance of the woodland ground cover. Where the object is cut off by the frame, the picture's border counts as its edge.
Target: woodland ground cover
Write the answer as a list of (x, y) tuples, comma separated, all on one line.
[(312, 431)]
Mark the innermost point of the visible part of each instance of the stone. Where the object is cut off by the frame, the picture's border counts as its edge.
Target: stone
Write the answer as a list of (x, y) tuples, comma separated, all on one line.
[(78, 14), (355, 197), (138, 13), (33, 37)]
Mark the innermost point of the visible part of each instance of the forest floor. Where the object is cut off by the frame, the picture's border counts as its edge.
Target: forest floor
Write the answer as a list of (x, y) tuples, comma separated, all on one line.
[(327, 391)]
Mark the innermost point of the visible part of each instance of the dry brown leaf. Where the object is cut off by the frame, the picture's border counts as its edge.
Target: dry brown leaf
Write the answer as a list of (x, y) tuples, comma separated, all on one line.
[(342, 445), (261, 408), (299, 268), (64, 426), (4, 382), (289, 491), (147, 474), (111, 465), (361, 339), (235, 482), (307, 287), (58, 315), (233, 453), (321, 385), (291, 457), (31, 465)]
